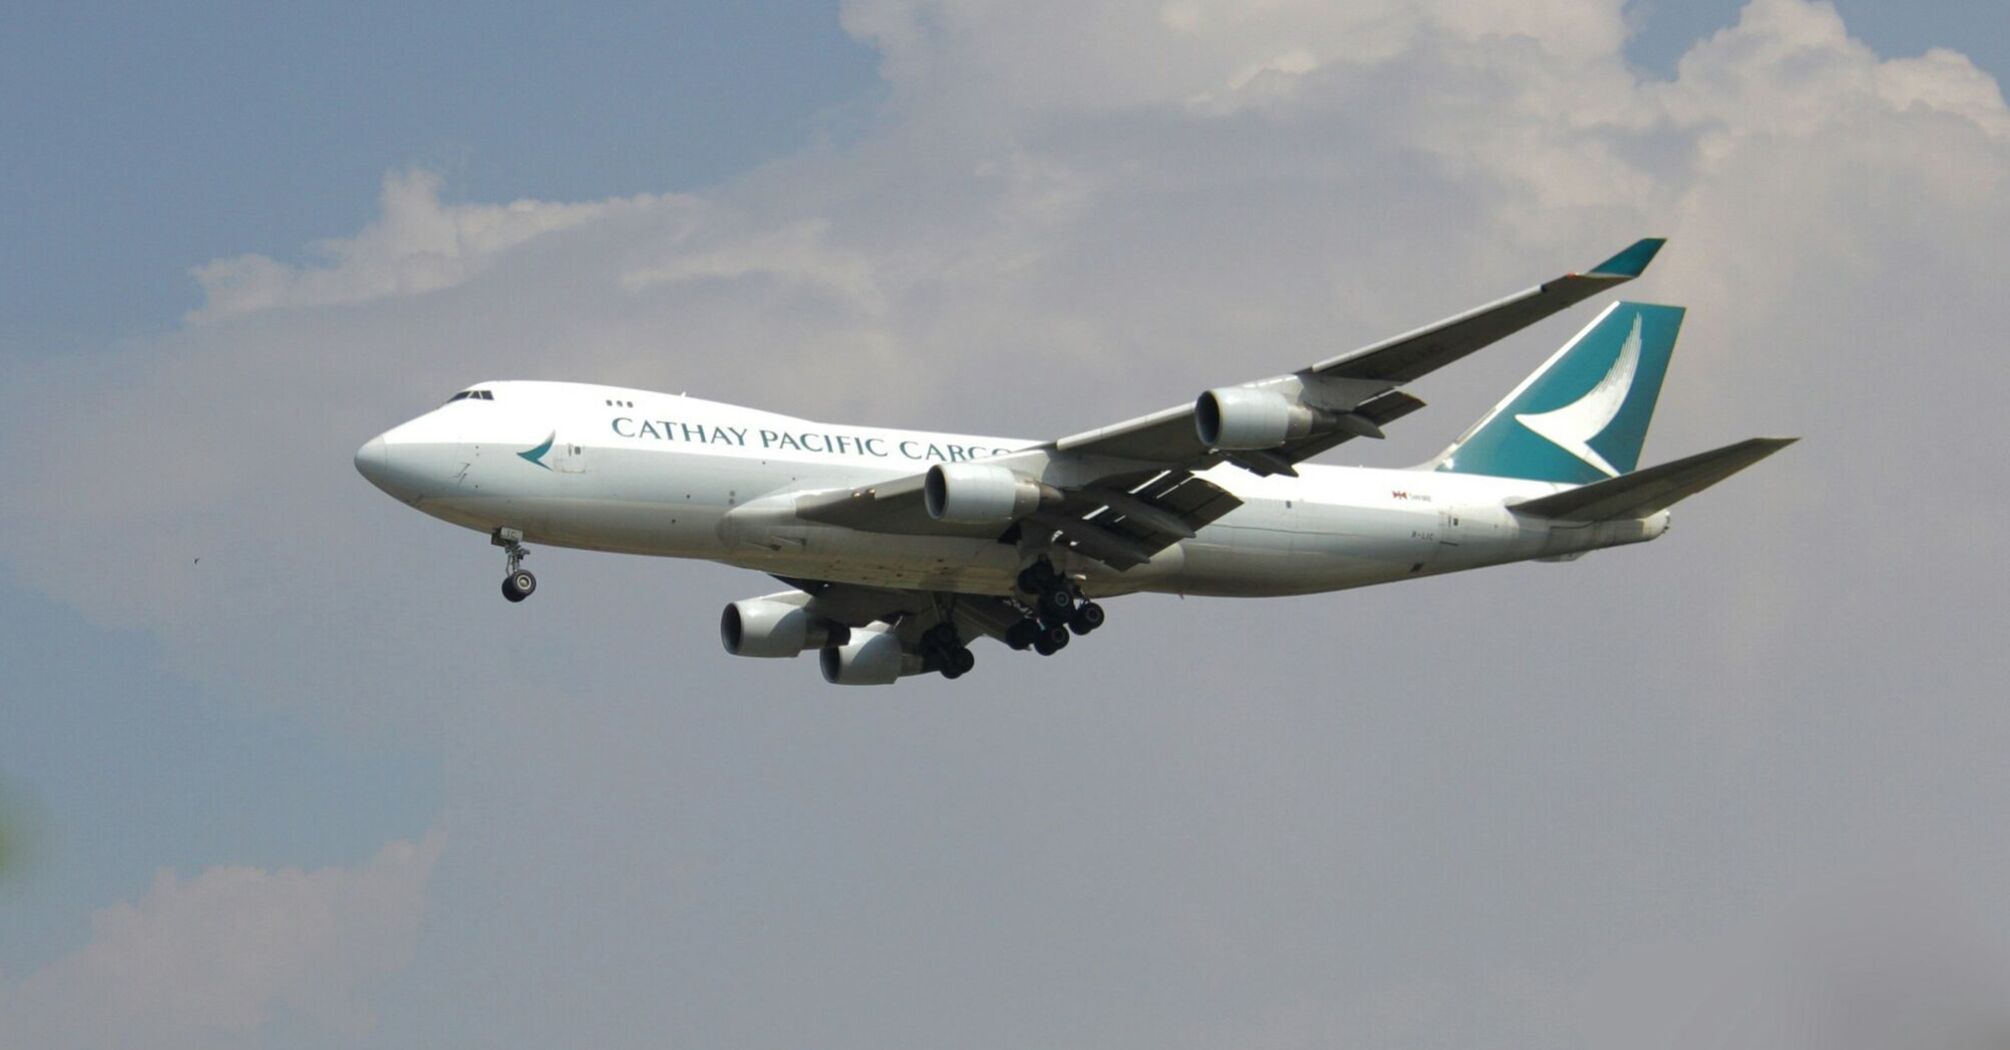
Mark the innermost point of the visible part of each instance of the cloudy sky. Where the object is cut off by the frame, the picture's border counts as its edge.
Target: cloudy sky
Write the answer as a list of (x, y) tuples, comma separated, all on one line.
[(1742, 787)]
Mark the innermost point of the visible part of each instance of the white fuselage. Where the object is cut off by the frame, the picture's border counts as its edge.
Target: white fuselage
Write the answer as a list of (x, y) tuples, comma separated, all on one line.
[(640, 472)]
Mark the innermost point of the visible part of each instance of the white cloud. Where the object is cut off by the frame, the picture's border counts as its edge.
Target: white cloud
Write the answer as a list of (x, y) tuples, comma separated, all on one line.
[(214, 958), (415, 246), (1791, 68)]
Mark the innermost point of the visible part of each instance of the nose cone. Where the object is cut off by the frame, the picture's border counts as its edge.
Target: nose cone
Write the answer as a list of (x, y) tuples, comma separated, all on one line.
[(371, 461), (391, 468)]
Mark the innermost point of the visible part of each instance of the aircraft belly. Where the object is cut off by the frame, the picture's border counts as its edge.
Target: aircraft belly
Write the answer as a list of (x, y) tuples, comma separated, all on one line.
[(774, 540), (1300, 547), (1245, 570)]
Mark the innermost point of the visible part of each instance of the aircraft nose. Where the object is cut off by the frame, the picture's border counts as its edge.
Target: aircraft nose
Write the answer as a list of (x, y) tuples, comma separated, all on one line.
[(406, 470), (372, 462), (391, 469)]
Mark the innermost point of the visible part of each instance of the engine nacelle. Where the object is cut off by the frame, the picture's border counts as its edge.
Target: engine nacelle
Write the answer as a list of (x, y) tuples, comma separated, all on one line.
[(982, 494), (872, 657), (1241, 418), (772, 628)]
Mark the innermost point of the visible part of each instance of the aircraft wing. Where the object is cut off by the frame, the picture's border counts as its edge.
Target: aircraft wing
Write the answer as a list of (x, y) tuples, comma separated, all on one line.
[(1122, 493), (1351, 382), (1121, 519)]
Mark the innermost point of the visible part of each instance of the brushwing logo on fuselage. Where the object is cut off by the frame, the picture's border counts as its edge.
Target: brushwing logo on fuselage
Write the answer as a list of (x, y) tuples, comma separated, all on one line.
[(537, 454), (1573, 427)]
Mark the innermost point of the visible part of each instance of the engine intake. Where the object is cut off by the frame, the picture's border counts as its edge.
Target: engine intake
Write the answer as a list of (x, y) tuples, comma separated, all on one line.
[(767, 627), (1244, 419), (982, 494)]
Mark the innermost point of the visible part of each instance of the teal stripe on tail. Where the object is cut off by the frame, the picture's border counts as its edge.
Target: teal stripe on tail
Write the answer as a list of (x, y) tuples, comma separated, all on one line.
[(1583, 415)]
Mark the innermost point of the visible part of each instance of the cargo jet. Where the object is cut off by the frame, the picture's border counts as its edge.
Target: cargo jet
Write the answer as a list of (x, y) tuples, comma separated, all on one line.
[(900, 548)]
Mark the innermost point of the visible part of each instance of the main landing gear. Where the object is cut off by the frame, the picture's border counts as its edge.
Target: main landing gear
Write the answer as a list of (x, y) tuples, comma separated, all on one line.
[(943, 650), (1057, 611), (518, 583)]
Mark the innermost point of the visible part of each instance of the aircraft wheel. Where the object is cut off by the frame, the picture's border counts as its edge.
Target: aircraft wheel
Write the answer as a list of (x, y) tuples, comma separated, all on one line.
[(519, 585), (960, 662), (1051, 641), (1021, 635), (1056, 603), (1087, 617)]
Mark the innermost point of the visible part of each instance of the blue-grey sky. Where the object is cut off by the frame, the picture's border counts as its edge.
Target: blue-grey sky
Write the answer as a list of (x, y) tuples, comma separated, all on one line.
[(1520, 808), (152, 138)]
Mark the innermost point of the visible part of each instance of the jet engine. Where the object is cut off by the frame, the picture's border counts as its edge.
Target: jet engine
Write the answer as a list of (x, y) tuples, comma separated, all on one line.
[(1240, 418), (873, 657), (773, 628), (982, 494)]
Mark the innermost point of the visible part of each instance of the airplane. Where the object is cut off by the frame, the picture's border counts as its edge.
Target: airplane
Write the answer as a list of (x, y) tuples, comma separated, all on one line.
[(900, 548)]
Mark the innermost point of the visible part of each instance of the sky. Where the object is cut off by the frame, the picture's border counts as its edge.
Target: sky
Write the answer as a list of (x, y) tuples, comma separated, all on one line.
[(278, 768)]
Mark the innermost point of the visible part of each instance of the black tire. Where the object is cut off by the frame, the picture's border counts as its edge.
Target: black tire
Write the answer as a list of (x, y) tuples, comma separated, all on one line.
[(519, 585), (1056, 639), (1044, 645), (1056, 603), (962, 661), (1088, 616), (1020, 635)]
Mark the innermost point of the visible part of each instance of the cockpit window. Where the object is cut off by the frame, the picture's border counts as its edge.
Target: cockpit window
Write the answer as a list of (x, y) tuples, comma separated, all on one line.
[(472, 395)]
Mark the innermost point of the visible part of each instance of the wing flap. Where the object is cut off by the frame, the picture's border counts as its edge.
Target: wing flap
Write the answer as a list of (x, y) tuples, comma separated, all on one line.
[(1122, 520), (1193, 502)]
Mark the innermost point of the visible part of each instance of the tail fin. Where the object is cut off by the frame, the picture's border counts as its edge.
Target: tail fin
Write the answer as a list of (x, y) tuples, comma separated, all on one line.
[(1583, 415), (1653, 490)]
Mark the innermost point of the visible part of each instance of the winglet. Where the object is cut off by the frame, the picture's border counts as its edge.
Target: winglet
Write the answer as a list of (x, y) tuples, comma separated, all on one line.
[(1633, 261)]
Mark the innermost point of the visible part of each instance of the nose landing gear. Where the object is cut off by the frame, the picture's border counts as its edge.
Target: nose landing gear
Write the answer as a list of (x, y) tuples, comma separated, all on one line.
[(518, 583)]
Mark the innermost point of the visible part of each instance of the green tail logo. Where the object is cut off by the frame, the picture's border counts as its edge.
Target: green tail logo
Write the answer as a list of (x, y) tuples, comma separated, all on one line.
[(1583, 416)]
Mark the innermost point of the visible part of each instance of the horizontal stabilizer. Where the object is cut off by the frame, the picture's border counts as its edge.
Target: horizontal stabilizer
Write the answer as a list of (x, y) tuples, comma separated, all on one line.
[(1654, 489)]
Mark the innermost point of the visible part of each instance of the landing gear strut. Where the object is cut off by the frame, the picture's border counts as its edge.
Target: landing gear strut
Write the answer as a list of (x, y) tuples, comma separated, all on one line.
[(518, 583)]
